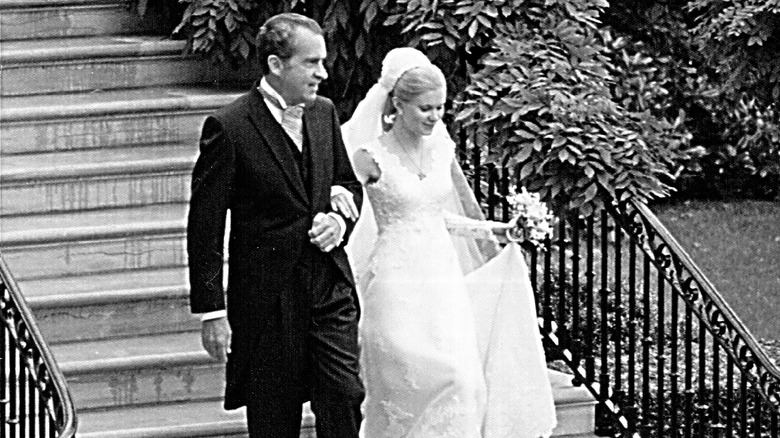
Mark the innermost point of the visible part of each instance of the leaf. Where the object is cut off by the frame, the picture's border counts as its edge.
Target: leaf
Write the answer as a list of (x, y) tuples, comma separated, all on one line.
[(525, 152), (431, 25), (473, 29), (591, 192), (450, 42), (522, 133), (589, 172), (360, 46), (526, 170), (200, 33), (371, 12), (603, 179), (463, 10), (230, 23), (532, 126), (244, 49)]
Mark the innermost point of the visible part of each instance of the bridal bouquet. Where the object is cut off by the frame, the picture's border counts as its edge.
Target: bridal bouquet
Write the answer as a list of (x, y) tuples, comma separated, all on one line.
[(532, 219)]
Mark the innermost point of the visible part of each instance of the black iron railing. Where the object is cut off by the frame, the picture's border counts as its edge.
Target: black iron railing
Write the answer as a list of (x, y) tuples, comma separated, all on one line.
[(34, 400), (636, 322)]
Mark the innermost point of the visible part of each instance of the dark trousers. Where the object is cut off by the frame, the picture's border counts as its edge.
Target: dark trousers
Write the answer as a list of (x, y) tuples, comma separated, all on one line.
[(323, 337)]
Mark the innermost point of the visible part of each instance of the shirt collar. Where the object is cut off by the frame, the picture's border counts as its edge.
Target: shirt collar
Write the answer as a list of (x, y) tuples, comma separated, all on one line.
[(270, 90)]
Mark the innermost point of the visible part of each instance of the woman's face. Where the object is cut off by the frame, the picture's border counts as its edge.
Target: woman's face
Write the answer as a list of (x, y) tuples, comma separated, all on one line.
[(421, 114)]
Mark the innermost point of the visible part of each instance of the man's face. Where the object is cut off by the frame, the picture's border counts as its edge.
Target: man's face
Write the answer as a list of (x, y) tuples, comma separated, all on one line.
[(301, 74)]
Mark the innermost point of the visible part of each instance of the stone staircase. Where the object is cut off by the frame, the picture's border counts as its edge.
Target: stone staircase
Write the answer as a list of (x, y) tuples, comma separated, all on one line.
[(100, 120)]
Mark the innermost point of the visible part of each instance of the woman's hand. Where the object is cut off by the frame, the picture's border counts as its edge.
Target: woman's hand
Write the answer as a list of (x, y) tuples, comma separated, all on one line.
[(344, 204)]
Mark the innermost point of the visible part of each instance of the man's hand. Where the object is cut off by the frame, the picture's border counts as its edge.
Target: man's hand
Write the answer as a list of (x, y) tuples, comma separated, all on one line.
[(325, 232), (344, 204), (215, 335)]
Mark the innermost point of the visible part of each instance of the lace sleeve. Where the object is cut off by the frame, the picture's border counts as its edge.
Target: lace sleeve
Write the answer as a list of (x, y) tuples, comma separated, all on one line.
[(474, 228)]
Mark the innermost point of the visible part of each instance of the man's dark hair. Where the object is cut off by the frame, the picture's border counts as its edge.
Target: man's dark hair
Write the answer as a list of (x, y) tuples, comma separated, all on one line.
[(276, 36)]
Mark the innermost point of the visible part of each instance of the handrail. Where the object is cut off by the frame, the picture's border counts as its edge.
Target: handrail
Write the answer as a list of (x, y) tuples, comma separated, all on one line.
[(721, 318), (49, 381), (628, 311), (656, 371)]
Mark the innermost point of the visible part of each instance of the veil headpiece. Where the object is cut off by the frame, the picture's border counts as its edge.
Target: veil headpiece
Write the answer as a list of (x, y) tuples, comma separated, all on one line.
[(366, 122)]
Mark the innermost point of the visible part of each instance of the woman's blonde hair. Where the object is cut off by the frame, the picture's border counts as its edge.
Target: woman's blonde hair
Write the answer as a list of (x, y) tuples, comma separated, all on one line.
[(412, 83)]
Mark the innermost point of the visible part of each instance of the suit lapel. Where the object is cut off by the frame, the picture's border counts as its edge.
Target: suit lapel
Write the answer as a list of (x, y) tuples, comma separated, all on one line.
[(276, 140)]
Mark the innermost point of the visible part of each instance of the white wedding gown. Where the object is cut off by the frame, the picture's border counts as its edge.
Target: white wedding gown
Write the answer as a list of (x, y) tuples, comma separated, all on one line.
[(444, 354)]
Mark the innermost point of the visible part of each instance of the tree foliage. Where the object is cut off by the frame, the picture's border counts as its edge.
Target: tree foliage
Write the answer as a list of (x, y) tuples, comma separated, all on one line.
[(740, 40), (719, 62)]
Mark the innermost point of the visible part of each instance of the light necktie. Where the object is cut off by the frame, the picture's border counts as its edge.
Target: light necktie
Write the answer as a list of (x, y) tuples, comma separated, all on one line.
[(292, 122), (292, 118)]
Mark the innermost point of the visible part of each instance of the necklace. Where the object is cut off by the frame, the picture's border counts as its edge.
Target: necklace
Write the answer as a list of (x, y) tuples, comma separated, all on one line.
[(420, 173)]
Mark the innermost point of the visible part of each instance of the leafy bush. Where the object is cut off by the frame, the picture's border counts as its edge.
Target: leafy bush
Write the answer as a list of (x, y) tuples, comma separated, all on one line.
[(739, 42), (640, 79), (719, 63), (222, 29), (357, 39), (750, 152), (739, 39), (539, 99)]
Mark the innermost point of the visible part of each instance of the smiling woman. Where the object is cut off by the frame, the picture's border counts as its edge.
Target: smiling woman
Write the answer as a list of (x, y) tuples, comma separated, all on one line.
[(413, 111), (450, 345)]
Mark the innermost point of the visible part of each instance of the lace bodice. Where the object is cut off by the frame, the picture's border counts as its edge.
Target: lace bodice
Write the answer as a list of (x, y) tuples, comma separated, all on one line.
[(403, 201)]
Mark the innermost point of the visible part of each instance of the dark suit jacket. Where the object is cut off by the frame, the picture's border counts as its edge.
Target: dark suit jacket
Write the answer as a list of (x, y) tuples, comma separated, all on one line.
[(246, 165)]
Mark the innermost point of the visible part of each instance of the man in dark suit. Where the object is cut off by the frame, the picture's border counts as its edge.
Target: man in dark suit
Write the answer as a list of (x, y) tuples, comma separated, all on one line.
[(291, 329)]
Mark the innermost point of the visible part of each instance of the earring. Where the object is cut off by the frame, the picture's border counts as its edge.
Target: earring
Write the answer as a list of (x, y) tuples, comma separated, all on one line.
[(389, 119)]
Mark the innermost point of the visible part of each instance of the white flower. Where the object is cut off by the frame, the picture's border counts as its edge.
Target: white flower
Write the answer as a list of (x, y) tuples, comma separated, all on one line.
[(531, 216)]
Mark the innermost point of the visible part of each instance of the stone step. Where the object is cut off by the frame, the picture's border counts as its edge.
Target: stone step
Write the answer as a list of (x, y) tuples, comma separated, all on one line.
[(54, 292), (82, 64), (19, 230), (96, 178), (163, 373), (222, 425), (148, 302), (100, 241), (186, 420), (108, 119), (143, 370), (27, 19), (575, 407), (183, 420)]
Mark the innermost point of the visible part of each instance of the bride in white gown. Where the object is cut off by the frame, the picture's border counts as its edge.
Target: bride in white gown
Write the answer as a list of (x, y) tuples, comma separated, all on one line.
[(450, 343)]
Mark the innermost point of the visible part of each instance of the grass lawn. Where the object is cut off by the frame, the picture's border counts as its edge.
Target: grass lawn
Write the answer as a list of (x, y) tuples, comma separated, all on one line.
[(737, 246)]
